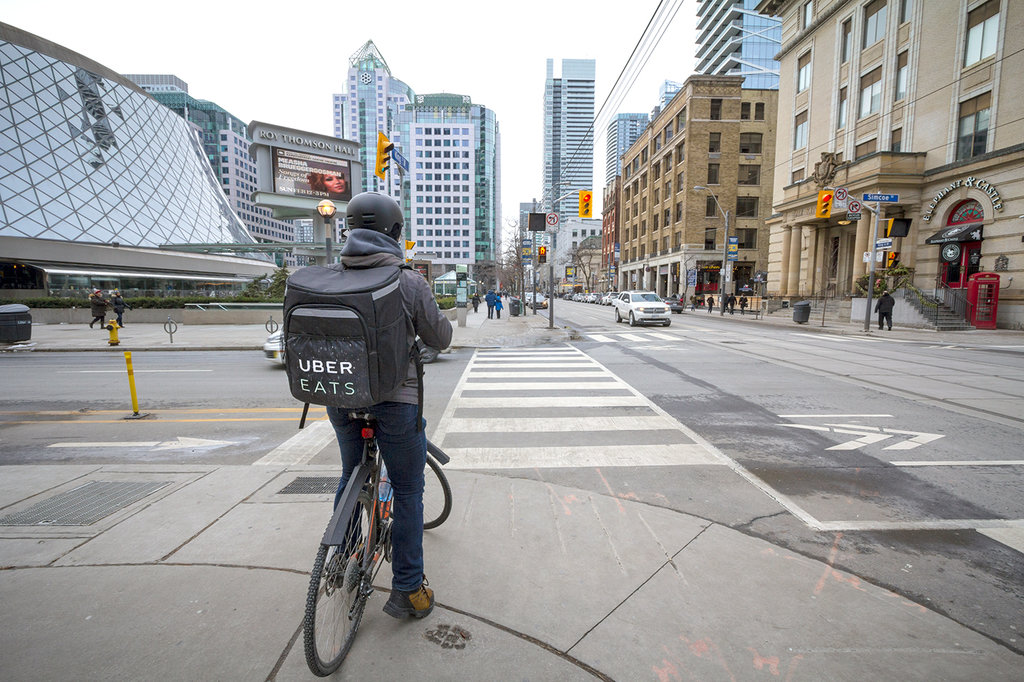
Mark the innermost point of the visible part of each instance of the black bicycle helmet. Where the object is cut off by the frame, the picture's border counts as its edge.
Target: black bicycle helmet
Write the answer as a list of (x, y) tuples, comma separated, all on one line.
[(375, 211)]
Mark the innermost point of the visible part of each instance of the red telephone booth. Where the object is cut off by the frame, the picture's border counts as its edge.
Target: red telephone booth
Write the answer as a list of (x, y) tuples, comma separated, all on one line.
[(983, 297)]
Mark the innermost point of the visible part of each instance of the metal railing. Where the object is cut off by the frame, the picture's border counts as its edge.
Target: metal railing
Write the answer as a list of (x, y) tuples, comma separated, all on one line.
[(954, 299)]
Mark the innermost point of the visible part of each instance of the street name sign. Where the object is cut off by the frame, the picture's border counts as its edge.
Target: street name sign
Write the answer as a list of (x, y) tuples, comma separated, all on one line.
[(403, 162), (890, 198), (884, 243)]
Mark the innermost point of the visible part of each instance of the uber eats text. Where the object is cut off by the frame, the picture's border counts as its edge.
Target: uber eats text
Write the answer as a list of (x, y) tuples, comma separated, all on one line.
[(326, 367)]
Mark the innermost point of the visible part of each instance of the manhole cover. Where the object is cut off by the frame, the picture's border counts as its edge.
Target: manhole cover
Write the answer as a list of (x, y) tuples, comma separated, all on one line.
[(312, 485), (84, 505)]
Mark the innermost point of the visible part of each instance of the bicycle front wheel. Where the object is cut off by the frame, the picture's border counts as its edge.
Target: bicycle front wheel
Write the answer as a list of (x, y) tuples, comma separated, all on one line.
[(336, 598), (437, 494)]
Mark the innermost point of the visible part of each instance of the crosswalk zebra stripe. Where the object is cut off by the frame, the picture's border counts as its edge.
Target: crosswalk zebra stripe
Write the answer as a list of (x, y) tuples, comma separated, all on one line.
[(580, 456), (600, 338), (540, 385), (538, 375), (552, 402), (499, 424)]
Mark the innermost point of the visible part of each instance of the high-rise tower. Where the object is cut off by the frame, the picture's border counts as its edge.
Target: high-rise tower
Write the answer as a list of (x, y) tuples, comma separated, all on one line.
[(734, 40), (568, 134), (622, 132), (370, 103)]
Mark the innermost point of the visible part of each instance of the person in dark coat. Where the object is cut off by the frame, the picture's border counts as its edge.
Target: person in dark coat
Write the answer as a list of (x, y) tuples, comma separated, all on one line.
[(731, 302), (98, 304), (711, 304), (490, 298), (476, 301), (743, 305), (119, 304), (884, 309)]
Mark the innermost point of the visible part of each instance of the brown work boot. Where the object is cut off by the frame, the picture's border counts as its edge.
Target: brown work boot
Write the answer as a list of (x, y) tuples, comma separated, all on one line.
[(418, 603)]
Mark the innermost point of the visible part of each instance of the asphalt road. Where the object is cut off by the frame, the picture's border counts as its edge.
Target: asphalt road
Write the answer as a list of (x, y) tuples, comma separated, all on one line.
[(849, 450)]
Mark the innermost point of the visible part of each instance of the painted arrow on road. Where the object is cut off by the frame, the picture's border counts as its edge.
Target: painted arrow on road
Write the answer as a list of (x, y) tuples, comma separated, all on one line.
[(871, 434), (181, 442)]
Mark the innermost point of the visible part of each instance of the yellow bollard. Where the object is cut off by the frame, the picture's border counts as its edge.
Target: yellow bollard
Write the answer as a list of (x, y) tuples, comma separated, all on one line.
[(131, 382), (112, 327)]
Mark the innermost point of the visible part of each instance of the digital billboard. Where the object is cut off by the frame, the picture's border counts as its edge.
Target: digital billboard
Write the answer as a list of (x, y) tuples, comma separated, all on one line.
[(310, 175)]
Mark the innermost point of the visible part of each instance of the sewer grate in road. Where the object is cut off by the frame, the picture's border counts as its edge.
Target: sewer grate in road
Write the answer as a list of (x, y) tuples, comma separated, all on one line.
[(85, 505), (311, 485)]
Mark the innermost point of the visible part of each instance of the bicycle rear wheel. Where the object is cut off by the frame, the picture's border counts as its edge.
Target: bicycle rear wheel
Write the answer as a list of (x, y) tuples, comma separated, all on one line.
[(336, 599), (437, 494)]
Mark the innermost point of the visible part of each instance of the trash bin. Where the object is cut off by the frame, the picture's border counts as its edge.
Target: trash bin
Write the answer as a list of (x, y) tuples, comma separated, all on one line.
[(802, 312), (515, 307), (15, 323)]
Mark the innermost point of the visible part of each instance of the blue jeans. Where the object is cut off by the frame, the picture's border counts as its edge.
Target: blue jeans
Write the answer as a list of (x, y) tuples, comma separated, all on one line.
[(404, 448)]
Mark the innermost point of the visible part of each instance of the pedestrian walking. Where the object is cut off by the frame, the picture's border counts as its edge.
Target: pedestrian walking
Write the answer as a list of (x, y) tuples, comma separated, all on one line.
[(693, 303), (711, 304), (498, 305), (743, 305), (476, 301), (884, 309), (490, 298), (731, 302), (119, 304), (98, 305)]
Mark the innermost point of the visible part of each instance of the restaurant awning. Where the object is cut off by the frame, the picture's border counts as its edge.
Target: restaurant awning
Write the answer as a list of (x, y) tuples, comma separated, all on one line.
[(958, 233)]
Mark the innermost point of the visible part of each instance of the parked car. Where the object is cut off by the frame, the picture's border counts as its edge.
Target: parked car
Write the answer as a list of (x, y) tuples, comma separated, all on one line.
[(593, 297), (674, 303), (642, 307), (608, 298)]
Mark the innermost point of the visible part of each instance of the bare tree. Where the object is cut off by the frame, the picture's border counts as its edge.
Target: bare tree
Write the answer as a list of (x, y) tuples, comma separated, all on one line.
[(689, 261), (510, 267)]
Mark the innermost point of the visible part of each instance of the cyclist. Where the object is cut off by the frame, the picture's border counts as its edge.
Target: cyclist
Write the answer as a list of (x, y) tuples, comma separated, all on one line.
[(375, 224)]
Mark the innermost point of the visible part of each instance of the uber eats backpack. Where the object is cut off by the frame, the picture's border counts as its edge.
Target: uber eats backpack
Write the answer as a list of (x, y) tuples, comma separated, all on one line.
[(348, 339)]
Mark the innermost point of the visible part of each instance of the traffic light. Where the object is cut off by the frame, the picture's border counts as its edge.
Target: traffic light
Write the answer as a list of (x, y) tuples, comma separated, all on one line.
[(824, 208), (897, 227), (384, 147), (892, 258), (542, 254), (586, 203)]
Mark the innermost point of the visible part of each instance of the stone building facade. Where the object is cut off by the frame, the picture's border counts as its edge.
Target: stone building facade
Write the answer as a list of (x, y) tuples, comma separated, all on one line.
[(921, 100), (713, 134)]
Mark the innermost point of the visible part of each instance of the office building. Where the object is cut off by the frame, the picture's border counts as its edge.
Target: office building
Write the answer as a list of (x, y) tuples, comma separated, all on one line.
[(568, 135), (733, 39), (96, 176), (912, 99), (370, 104), (451, 195), (226, 142), (623, 130)]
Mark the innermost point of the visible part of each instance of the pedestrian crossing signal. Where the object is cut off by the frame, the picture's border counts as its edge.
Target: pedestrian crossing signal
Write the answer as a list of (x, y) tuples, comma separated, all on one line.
[(897, 227), (542, 254), (824, 208), (586, 203), (892, 259)]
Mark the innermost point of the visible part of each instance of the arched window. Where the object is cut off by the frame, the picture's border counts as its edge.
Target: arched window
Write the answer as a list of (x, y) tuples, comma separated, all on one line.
[(968, 211)]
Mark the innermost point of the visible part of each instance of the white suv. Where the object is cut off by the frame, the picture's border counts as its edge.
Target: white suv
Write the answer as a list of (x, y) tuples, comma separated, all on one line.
[(641, 307)]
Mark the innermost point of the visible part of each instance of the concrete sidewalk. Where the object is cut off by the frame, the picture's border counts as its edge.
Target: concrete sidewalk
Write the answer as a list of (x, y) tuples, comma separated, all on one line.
[(196, 572)]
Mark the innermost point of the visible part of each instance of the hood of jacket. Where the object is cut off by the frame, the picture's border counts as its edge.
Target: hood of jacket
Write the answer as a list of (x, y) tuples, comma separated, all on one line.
[(370, 249)]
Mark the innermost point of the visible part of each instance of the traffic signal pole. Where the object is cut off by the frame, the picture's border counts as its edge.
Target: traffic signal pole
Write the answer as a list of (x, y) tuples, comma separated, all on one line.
[(871, 265)]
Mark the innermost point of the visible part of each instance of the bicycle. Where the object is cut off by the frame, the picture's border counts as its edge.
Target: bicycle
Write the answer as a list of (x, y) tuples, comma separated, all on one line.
[(357, 538)]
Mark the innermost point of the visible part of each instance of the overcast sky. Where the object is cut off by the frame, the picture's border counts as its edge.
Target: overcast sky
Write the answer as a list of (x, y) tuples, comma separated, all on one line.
[(280, 62)]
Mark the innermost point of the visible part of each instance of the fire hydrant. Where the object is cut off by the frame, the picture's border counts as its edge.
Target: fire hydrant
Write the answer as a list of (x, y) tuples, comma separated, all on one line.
[(112, 327)]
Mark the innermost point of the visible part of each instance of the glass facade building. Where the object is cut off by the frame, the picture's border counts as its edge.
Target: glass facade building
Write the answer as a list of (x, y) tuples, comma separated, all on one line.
[(451, 194), (734, 40), (226, 141), (568, 134), (370, 104), (622, 132), (87, 157)]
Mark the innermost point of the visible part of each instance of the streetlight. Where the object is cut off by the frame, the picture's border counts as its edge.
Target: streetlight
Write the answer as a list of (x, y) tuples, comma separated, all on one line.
[(725, 244), (326, 209)]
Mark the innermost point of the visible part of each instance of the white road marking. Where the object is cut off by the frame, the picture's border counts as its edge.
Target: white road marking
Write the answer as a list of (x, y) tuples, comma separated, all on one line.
[(581, 456), (301, 447), (960, 463), (600, 338), (594, 373), (871, 434), (554, 403), (539, 385), (633, 337), (555, 423), (832, 416), (178, 443), (1011, 537)]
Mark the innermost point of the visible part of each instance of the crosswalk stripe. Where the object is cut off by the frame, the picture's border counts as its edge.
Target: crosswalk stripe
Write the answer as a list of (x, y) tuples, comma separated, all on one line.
[(538, 375), (301, 447), (559, 402), (540, 385), (580, 456), (560, 424), (633, 337), (600, 338)]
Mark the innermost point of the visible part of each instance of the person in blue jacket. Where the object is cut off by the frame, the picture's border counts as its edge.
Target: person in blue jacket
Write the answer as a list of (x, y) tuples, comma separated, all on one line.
[(490, 298), (498, 306)]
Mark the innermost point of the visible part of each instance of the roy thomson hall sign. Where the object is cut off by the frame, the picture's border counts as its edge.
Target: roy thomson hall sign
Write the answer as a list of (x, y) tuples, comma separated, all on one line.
[(296, 169), (970, 181)]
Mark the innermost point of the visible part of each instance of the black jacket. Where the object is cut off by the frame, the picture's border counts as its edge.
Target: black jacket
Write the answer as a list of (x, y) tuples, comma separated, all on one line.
[(885, 304)]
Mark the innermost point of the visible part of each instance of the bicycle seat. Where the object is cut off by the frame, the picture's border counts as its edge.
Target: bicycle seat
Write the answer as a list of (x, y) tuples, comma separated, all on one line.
[(363, 416)]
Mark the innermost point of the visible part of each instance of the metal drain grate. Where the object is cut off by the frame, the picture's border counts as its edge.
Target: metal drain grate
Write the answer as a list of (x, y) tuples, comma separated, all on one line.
[(312, 485), (84, 505)]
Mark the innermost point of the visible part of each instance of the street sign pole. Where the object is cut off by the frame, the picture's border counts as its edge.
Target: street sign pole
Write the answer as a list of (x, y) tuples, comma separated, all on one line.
[(871, 266)]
